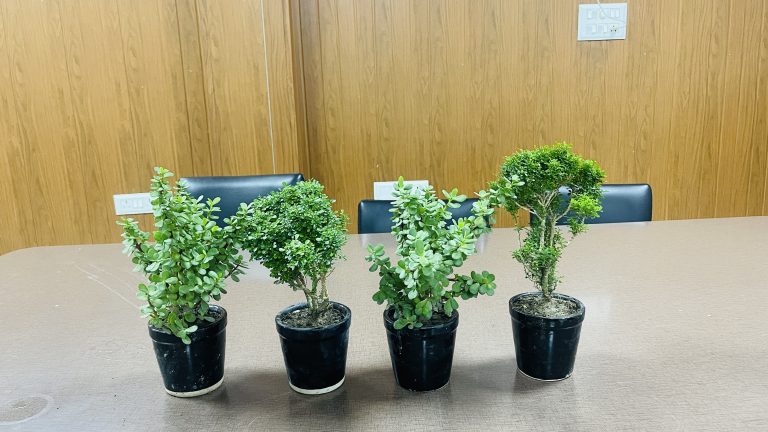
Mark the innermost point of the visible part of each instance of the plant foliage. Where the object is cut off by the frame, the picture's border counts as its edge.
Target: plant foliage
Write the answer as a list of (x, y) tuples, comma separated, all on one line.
[(422, 282), (530, 180), (295, 233), (187, 264)]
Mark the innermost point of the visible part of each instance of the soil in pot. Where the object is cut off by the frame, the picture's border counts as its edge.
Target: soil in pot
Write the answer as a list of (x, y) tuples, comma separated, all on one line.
[(536, 305), (315, 356), (422, 358), (194, 369), (545, 346), (302, 318)]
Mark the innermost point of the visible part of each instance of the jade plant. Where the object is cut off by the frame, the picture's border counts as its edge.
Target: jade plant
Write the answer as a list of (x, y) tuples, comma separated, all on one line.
[(296, 234), (188, 262), (531, 180), (422, 283)]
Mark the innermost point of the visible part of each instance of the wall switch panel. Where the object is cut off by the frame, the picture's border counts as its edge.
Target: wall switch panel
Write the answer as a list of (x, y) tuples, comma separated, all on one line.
[(385, 190), (131, 204), (602, 21)]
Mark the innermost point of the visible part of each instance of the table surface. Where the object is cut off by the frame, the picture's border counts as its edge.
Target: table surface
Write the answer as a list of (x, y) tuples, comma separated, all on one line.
[(674, 339)]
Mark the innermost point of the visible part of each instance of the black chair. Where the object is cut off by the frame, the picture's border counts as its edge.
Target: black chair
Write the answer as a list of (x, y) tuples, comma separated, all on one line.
[(234, 190), (621, 203), (374, 216)]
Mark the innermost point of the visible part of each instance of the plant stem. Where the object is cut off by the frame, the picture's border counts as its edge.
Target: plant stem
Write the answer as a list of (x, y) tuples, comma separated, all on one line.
[(550, 270), (317, 302)]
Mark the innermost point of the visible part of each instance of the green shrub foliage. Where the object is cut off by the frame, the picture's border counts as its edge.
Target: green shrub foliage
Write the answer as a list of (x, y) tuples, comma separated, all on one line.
[(295, 233), (530, 180), (188, 262), (422, 282)]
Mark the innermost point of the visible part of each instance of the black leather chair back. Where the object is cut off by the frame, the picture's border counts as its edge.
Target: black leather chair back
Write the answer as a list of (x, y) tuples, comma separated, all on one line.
[(621, 203), (374, 216), (234, 190)]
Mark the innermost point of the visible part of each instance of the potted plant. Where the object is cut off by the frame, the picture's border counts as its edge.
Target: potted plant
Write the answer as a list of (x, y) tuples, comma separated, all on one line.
[(186, 267), (421, 288), (546, 325), (295, 233)]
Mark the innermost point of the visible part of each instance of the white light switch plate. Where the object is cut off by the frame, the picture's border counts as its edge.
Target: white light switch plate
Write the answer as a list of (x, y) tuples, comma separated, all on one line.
[(384, 190), (602, 21), (128, 204)]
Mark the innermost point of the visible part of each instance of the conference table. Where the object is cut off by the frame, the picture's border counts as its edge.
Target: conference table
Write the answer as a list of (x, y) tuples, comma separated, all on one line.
[(675, 338)]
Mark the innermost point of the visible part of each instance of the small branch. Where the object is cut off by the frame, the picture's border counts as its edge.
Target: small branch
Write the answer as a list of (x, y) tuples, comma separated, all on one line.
[(528, 209), (567, 209), (234, 269)]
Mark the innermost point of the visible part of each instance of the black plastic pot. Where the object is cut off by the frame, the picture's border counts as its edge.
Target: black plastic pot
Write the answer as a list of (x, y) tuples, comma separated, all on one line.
[(315, 358), (421, 358), (546, 347), (194, 369)]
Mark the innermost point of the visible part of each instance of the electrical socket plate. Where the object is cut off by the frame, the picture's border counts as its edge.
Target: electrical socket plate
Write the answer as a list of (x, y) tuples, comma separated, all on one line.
[(131, 204), (602, 21), (385, 190)]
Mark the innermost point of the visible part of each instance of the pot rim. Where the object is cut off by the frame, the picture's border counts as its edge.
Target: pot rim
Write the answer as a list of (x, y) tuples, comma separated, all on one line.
[(447, 326), (206, 329), (575, 319), (330, 328)]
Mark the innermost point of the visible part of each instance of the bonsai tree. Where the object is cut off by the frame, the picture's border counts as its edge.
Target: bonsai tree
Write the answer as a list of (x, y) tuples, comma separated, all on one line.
[(295, 233), (422, 282), (530, 180), (188, 262)]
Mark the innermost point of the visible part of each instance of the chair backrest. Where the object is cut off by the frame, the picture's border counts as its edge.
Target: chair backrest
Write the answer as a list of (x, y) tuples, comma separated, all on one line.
[(234, 190), (621, 203), (374, 216)]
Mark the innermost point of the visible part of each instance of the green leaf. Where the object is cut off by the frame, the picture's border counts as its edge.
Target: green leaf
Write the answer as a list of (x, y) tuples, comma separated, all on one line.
[(529, 179), (448, 308), (429, 248)]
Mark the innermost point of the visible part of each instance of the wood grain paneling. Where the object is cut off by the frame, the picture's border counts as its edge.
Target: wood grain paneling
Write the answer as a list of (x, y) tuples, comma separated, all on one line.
[(95, 94), (286, 87), (19, 228), (44, 111), (236, 86), (442, 90)]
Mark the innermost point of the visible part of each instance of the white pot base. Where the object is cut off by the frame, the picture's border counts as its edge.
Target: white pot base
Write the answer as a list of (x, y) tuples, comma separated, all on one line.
[(317, 391), (543, 380), (196, 392)]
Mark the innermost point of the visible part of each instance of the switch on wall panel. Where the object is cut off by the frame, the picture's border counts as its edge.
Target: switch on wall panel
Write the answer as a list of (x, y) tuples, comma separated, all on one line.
[(602, 21), (385, 190), (129, 204)]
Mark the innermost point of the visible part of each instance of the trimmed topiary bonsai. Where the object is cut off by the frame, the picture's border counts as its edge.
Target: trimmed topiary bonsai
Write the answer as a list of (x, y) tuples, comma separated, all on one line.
[(295, 233), (531, 180), (546, 326), (188, 262), (422, 284)]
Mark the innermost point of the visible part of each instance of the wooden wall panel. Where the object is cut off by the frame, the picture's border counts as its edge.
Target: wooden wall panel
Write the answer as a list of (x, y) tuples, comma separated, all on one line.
[(194, 86), (442, 90), (236, 86), (285, 87), (43, 104), (93, 95), (14, 179), (98, 90)]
